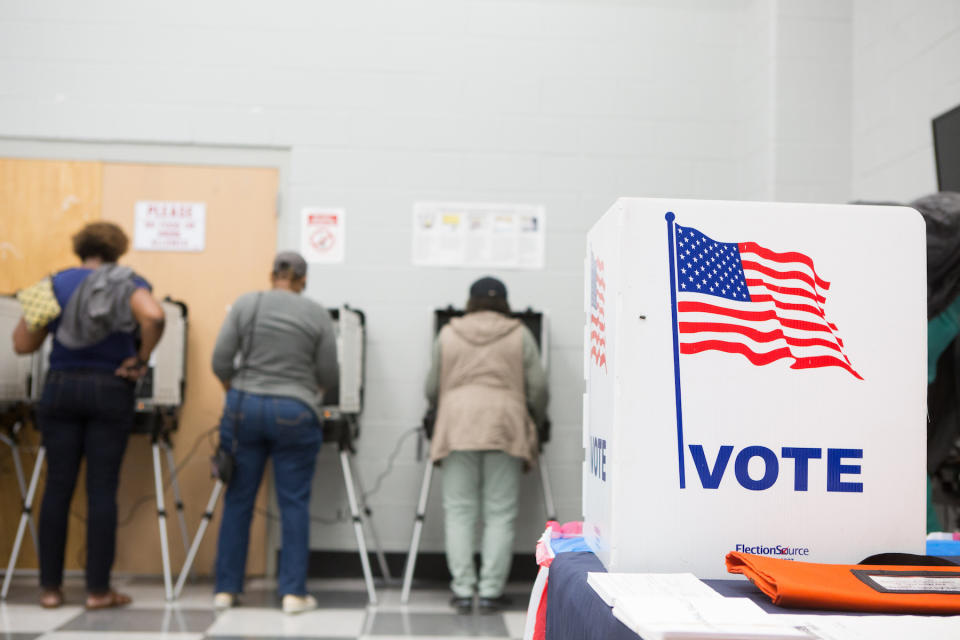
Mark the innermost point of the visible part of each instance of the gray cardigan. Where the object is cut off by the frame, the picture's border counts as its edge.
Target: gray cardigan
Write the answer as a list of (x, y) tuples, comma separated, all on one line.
[(293, 353)]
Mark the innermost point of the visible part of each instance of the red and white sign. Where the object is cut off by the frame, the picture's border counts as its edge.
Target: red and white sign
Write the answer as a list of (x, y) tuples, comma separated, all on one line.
[(322, 235), (170, 226)]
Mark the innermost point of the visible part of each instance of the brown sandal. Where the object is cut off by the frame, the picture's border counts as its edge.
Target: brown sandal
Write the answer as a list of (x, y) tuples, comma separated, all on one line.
[(108, 600), (51, 598)]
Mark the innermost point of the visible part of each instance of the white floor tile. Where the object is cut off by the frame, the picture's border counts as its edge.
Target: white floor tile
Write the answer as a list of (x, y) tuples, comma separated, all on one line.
[(420, 600), (22, 618), (271, 622), (515, 621), (118, 635)]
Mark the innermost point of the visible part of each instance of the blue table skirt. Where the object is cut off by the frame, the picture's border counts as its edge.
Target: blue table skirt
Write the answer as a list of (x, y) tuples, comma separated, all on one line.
[(574, 610)]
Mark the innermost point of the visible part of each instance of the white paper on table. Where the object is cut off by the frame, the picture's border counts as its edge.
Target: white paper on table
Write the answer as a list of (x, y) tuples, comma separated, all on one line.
[(876, 627), (656, 618), (612, 586)]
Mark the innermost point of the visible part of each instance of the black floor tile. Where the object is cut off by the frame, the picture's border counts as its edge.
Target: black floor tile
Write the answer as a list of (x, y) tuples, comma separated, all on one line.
[(280, 637), (170, 620), (326, 598), (30, 594), (437, 624)]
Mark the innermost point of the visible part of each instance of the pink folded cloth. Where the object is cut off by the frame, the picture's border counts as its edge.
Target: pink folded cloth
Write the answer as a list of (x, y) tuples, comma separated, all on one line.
[(568, 530)]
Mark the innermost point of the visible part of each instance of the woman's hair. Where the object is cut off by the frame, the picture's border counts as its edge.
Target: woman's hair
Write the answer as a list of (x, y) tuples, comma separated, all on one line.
[(488, 303), (103, 240)]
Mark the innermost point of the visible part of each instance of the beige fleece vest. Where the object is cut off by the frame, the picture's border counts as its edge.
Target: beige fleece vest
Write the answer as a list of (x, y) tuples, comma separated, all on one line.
[(482, 402)]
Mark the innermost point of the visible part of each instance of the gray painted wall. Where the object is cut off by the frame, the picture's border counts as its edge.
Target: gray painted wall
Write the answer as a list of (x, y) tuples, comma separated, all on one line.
[(376, 104)]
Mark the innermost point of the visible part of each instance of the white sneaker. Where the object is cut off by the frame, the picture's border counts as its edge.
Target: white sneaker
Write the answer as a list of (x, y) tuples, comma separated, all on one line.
[(223, 600), (298, 604)]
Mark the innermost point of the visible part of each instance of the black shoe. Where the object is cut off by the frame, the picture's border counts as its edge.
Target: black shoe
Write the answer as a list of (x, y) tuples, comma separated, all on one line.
[(462, 605), (493, 605)]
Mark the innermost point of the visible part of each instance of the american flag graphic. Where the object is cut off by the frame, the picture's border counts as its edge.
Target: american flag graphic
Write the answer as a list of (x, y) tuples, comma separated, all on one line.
[(745, 299), (598, 332)]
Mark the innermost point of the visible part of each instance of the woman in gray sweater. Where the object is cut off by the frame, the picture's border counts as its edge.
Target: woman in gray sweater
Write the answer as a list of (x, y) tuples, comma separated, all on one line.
[(287, 360)]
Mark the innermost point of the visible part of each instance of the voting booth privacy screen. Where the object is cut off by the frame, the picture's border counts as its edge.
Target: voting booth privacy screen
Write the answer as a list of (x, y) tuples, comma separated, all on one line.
[(350, 327), (163, 386), (15, 370), (755, 382)]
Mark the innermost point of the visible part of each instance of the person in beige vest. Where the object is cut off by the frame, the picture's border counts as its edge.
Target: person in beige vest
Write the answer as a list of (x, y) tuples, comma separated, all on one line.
[(490, 392)]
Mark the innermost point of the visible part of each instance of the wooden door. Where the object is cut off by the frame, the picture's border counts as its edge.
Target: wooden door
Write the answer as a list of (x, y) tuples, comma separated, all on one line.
[(42, 204), (241, 228)]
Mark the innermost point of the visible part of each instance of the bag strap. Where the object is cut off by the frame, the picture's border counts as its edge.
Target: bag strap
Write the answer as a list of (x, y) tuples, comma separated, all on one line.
[(245, 356)]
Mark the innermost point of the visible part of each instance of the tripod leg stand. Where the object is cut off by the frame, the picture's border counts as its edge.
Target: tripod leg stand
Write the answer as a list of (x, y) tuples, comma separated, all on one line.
[(357, 524), (422, 511), (417, 530), (24, 519), (162, 520), (178, 501), (547, 488), (197, 539), (21, 482), (368, 515)]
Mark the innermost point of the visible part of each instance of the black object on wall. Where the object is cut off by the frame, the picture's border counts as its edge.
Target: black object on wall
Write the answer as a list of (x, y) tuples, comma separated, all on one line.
[(533, 320), (946, 148)]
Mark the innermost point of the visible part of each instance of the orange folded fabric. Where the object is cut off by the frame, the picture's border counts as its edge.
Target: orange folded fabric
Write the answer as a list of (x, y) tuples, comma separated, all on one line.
[(876, 588)]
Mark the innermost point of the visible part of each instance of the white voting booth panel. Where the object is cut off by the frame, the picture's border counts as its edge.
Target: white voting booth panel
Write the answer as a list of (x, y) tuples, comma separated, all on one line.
[(767, 396), (350, 340), (167, 362), (15, 370)]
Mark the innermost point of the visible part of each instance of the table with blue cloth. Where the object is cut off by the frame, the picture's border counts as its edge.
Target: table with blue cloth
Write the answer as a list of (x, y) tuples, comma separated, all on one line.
[(576, 612)]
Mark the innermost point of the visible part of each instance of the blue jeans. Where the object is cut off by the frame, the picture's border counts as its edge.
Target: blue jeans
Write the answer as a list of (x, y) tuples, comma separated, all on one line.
[(289, 431), (82, 414)]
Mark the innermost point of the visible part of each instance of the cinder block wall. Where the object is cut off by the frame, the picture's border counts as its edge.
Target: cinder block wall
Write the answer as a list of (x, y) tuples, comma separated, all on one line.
[(381, 103), (905, 73)]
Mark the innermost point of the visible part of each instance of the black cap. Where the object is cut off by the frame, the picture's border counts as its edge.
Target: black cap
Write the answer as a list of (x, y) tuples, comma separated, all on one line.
[(292, 261), (488, 287)]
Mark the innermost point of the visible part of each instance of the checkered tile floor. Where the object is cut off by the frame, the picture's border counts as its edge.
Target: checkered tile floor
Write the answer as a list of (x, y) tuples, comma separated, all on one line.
[(343, 614)]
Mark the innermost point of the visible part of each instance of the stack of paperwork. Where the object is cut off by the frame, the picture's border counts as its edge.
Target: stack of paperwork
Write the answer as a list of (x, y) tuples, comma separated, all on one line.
[(678, 605)]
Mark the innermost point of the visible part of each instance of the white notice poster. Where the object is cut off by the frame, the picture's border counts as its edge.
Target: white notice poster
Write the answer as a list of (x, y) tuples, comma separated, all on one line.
[(452, 234), (170, 226), (322, 234)]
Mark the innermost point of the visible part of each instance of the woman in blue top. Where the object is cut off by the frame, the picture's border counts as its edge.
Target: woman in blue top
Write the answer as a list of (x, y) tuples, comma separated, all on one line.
[(108, 325)]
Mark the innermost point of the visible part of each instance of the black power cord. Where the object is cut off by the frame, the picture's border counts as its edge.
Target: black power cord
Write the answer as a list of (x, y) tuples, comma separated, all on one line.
[(391, 459), (142, 500)]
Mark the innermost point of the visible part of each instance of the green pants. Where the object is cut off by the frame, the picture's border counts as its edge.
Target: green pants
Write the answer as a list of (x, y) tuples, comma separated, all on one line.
[(480, 484)]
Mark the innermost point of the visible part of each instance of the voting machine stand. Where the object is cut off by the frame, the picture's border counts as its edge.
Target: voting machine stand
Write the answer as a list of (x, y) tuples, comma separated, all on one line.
[(537, 323), (341, 413), (20, 386), (13, 419), (159, 396)]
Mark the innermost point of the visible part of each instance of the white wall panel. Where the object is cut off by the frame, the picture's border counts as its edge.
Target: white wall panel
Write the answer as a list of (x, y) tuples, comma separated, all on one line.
[(565, 103)]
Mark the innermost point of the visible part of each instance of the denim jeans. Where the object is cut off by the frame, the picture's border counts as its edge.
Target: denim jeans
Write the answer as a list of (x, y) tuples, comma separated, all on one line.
[(288, 431), (82, 413)]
